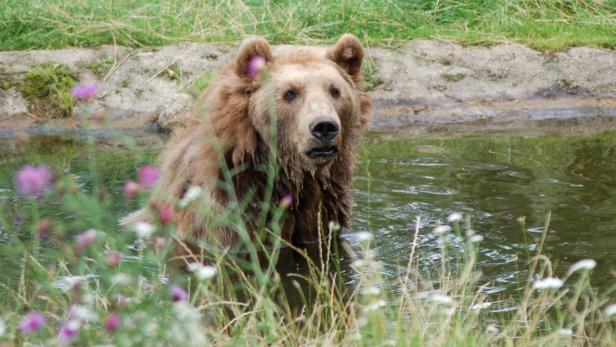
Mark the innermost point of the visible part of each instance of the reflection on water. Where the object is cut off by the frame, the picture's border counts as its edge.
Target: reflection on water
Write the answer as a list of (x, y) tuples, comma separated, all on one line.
[(497, 181)]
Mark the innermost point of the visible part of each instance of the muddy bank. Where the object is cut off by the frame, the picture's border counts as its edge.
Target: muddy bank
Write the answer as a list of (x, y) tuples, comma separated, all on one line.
[(422, 87)]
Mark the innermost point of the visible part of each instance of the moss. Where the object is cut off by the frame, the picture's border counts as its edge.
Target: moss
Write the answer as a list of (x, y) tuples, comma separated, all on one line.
[(101, 68), (173, 72), (567, 86), (47, 88), (98, 69), (453, 77), (445, 61), (6, 80)]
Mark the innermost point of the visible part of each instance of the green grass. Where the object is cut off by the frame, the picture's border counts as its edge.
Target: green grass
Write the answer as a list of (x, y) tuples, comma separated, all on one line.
[(542, 24)]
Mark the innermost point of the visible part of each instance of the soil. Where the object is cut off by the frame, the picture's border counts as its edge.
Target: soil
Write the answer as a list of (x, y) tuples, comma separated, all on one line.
[(421, 87)]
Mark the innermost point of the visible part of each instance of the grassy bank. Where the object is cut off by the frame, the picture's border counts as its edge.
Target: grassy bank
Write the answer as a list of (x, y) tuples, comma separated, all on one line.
[(541, 24)]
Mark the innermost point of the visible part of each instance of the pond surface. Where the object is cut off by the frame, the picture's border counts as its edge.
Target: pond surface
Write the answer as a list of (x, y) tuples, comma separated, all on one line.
[(494, 180)]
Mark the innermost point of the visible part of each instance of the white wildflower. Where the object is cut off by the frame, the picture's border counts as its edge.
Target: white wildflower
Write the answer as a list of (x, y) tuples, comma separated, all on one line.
[(372, 290), (2, 328), (333, 226), (120, 279), (492, 329), (610, 310), (187, 328), (476, 238), (88, 298), (454, 217), (423, 295), (359, 263), (480, 306), (203, 272), (565, 332), (441, 299), (191, 194), (143, 230), (66, 283), (584, 264), (82, 313), (449, 311), (441, 230), (548, 283), (356, 337), (375, 305), (364, 236)]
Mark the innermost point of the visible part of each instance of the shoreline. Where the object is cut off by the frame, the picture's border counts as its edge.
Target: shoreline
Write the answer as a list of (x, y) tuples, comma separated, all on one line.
[(423, 88)]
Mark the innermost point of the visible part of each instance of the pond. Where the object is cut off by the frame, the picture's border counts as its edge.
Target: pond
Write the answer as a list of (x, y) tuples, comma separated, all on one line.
[(506, 185)]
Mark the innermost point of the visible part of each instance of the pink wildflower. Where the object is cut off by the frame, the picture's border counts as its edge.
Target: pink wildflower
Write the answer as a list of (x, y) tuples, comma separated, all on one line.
[(85, 239), (34, 180), (256, 65), (44, 227), (84, 91), (148, 175), (286, 201), (113, 259), (31, 322), (69, 331), (165, 214), (121, 301), (112, 322), (131, 188), (159, 243), (178, 293)]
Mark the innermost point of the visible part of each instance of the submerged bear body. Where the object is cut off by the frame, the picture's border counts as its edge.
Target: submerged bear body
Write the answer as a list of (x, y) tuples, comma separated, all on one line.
[(300, 110)]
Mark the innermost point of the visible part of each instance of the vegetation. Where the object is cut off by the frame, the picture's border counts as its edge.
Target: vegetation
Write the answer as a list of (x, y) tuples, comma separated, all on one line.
[(73, 276), (46, 87), (543, 24)]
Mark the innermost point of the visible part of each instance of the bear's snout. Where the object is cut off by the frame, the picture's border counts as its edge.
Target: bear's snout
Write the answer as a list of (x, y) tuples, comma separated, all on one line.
[(324, 128)]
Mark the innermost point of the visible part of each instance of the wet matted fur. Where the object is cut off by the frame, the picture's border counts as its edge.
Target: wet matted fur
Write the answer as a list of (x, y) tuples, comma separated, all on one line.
[(232, 131)]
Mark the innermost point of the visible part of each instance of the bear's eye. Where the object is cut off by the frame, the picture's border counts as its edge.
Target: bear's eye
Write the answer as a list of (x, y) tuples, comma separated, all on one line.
[(290, 95), (334, 92)]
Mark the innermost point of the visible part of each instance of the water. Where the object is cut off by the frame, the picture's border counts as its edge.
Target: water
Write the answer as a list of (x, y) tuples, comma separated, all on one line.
[(497, 181)]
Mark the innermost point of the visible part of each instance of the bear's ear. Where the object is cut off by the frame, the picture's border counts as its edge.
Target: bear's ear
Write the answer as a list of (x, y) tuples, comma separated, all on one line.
[(348, 53), (253, 55)]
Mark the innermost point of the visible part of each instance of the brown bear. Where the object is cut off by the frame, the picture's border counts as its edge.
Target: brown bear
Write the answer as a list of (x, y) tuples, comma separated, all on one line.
[(303, 108)]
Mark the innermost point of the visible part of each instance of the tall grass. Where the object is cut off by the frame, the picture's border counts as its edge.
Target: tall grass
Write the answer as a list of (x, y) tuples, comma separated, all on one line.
[(541, 24), (96, 284)]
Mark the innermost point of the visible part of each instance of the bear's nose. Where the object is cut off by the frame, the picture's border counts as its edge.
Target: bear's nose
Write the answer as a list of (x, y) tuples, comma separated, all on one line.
[(324, 128)]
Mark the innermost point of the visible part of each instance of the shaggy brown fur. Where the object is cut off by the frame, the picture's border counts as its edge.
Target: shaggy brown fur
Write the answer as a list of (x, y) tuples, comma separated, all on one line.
[(233, 129)]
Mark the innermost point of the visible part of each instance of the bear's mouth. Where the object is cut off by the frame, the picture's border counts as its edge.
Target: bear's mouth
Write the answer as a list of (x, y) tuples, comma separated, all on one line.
[(322, 152)]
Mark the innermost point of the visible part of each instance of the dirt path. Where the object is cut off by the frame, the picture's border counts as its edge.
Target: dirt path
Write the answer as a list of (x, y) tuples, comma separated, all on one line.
[(422, 87)]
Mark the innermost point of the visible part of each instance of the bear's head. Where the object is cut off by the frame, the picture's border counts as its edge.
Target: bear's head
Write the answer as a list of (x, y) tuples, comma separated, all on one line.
[(308, 101)]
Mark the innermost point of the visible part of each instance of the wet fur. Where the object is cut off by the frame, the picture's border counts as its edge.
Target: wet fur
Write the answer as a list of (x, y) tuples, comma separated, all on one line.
[(191, 158)]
